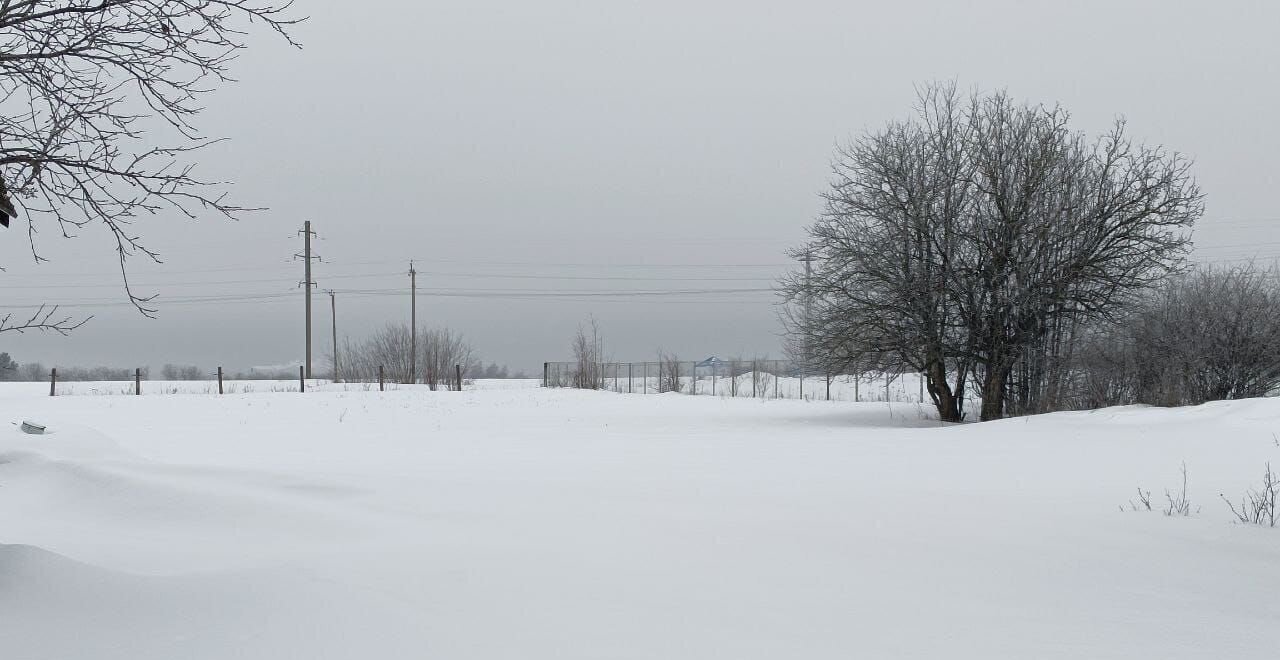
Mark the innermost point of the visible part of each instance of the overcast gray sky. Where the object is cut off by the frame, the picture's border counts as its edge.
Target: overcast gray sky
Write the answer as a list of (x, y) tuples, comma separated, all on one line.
[(533, 148)]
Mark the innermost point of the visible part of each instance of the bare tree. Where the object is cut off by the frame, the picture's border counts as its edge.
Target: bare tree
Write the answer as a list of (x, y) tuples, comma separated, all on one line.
[(83, 86), (181, 372), (977, 237), (588, 356), (33, 371)]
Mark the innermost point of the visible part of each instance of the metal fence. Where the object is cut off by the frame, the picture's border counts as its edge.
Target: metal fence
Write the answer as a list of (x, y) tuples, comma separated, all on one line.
[(764, 379)]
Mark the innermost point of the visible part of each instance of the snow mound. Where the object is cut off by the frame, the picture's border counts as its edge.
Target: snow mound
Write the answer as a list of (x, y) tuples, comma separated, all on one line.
[(47, 601)]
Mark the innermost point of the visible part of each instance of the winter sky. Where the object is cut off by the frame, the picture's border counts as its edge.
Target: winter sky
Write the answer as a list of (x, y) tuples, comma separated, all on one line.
[(540, 159)]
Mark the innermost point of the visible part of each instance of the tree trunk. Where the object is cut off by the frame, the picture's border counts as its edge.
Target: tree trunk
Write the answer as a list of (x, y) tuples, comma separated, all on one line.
[(947, 402), (993, 391)]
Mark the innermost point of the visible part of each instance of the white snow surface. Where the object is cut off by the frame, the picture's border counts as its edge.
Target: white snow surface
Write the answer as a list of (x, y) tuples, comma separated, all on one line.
[(509, 521)]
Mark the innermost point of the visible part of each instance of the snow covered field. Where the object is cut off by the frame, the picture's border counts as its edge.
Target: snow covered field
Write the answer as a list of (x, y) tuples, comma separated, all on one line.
[(530, 523)]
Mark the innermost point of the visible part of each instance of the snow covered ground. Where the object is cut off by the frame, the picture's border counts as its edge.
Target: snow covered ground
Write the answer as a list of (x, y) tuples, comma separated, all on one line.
[(530, 523)]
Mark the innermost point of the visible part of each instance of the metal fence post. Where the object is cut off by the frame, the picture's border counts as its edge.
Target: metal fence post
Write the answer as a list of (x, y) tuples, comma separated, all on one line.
[(219, 380), (53, 380), (302, 379), (137, 381)]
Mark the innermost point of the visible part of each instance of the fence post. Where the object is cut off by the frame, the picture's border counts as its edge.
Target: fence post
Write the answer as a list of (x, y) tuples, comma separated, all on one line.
[(53, 380), (802, 384), (630, 382), (381, 382), (546, 374), (457, 370), (302, 380), (137, 381), (828, 387), (219, 380)]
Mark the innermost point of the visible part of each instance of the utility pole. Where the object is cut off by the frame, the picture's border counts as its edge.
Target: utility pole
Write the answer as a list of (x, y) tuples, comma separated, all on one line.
[(413, 324), (333, 311), (308, 283)]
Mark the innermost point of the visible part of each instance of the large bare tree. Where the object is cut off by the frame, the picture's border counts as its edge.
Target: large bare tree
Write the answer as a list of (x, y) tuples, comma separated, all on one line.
[(974, 237), (98, 102)]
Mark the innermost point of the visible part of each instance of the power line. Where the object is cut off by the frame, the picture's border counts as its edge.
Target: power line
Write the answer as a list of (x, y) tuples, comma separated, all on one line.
[(511, 294)]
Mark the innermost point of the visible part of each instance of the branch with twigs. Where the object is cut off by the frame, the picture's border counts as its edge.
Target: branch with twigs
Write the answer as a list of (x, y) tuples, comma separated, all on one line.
[(83, 83), (45, 319)]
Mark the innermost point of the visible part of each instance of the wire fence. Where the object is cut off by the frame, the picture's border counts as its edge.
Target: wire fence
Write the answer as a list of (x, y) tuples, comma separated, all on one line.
[(103, 381), (763, 379)]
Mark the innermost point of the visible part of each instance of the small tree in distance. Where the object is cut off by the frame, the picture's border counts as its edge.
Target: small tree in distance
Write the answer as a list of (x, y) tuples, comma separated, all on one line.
[(588, 355)]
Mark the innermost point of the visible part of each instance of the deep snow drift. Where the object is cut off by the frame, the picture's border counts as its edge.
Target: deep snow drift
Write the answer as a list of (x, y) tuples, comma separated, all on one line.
[(528, 523)]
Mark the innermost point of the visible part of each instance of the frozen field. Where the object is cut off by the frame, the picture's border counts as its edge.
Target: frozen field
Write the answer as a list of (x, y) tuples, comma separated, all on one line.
[(524, 523)]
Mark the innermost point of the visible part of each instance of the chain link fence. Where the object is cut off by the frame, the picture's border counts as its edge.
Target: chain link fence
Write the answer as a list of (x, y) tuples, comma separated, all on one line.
[(763, 379)]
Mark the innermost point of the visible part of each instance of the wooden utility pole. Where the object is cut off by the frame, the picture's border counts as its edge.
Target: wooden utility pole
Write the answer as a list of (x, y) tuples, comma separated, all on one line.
[(333, 310), (413, 323), (307, 283)]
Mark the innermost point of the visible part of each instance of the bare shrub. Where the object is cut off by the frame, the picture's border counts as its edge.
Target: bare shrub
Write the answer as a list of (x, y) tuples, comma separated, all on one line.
[(390, 347), (441, 351), (588, 348), (669, 366), (1180, 504), (1258, 507), (1209, 335), (761, 380), (1144, 498)]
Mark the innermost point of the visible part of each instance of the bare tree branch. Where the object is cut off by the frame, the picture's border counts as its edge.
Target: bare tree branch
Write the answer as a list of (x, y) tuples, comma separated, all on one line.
[(82, 84)]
